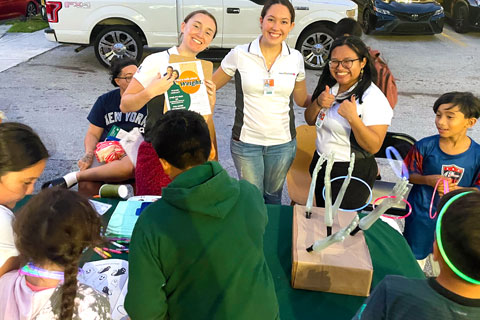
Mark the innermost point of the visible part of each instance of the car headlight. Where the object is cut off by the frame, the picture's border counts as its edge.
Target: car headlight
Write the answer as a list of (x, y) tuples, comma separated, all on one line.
[(351, 13), (439, 11), (383, 11)]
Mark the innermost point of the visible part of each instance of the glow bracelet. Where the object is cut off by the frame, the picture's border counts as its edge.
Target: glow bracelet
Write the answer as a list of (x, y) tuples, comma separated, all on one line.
[(445, 190), (358, 179), (401, 173), (398, 217)]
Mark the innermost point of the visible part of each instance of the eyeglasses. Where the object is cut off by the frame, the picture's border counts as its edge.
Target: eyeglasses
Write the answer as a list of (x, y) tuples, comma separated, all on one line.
[(128, 79), (347, 64)]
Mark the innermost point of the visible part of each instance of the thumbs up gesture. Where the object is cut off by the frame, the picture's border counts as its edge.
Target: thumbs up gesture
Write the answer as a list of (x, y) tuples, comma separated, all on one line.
[(348, 108), (326, 99)]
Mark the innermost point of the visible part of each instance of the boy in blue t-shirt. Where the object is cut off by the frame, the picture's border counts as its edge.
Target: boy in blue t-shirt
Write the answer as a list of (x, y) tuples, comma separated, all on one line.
[(450, 155)]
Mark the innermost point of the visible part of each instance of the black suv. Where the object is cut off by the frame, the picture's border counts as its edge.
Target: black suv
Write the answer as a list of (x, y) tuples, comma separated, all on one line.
[(465, 14)]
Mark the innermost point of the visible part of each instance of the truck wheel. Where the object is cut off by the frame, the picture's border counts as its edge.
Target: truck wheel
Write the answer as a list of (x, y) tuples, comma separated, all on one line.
[(31, 10), (366, 21), (118, 41), (460, 19), (314, 45)]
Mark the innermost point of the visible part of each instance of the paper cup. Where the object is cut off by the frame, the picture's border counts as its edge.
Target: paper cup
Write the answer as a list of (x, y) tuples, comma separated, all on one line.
[(115, 191)]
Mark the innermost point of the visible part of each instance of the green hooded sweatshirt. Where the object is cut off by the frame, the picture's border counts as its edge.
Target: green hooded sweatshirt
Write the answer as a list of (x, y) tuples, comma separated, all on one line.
[(197, 253)]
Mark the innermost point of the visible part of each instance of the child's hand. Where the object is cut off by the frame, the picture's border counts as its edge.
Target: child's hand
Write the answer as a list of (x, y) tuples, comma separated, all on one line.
[(440, 189)]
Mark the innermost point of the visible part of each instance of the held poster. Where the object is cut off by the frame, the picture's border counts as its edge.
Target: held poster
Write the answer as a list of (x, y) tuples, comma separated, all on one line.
[(188, 90)]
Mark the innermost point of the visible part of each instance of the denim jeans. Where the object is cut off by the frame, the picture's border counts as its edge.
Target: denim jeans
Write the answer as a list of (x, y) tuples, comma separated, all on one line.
[(264, 166)]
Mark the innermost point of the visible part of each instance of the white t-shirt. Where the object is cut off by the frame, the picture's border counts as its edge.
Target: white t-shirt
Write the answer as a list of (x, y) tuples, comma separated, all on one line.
[(334, 132), (146, 73), (264, 118), (152, 65), (7, 244), (20, 302)]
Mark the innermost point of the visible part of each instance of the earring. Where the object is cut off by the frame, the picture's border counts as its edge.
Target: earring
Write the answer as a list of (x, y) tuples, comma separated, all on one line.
[(361, 74)]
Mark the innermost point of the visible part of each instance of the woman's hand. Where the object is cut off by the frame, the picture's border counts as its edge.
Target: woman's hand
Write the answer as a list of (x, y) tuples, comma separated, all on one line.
[(159, 85), (325, 99), (211, 91), (86, 161), (348, 109)]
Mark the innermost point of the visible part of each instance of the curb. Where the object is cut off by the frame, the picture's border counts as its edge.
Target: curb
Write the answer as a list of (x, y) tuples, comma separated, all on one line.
[(4, 28)]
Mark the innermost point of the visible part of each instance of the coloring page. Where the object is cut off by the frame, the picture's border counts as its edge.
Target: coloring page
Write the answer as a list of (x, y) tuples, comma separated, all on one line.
[(109, 276)]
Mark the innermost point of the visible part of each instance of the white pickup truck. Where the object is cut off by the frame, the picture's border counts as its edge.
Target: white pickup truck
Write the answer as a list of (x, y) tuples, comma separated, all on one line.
[(119, 27)]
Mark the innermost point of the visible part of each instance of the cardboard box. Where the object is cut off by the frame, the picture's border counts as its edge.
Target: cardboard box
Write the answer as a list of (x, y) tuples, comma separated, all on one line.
[(344, 267)]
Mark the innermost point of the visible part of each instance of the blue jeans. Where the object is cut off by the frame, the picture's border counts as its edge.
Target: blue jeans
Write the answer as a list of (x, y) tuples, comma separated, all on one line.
[(264, 166)]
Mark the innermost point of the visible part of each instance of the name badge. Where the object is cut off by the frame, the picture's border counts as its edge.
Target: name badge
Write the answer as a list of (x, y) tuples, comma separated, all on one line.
[(321, 116), (268, 87)]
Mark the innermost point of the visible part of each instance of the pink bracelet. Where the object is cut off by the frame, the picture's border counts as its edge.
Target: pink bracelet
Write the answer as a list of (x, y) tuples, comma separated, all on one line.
[(392, 197), (445, 190)]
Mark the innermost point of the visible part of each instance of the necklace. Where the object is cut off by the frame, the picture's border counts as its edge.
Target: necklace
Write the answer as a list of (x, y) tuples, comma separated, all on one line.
[(32, 270)]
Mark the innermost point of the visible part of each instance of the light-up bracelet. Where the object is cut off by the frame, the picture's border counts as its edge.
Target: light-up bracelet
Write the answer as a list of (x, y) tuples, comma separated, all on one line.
[(358, 179), (445, 190), (397, 217), (440, 240), (401, 173), (32, 270)]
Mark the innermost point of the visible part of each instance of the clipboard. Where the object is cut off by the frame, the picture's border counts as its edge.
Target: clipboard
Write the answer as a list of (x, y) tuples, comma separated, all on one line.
[(207, 67)]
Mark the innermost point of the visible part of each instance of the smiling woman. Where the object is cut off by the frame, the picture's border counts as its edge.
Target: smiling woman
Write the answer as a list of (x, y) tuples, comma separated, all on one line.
[(351, 115), (268, 73)]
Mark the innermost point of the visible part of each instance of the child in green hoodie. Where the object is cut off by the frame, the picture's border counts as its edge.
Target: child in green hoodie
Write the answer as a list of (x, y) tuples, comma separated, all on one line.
[(197, 253)]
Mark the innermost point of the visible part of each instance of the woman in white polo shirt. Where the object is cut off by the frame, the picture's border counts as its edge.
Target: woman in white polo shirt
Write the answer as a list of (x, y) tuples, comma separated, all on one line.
[(267, 73), (22, 159), (351, 115)]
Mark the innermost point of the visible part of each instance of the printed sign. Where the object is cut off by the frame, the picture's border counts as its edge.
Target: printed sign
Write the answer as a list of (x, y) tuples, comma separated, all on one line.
[(188, 90)]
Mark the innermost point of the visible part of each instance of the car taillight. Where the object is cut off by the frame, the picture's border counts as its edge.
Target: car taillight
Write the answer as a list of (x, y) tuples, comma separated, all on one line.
[(52, 10)]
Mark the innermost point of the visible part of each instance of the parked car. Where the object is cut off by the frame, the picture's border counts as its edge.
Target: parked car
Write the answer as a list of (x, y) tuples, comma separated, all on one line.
[(119, 27), (401, 16), (465, 14), (10, 9)]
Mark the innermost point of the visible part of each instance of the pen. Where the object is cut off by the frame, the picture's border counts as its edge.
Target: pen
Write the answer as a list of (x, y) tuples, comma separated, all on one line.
[(100, 253), (119, 239), (112, 250), (116, 244), (105, 253)]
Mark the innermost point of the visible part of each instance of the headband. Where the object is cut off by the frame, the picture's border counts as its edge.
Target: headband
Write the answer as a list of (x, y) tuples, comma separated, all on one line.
[(440, 241)]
